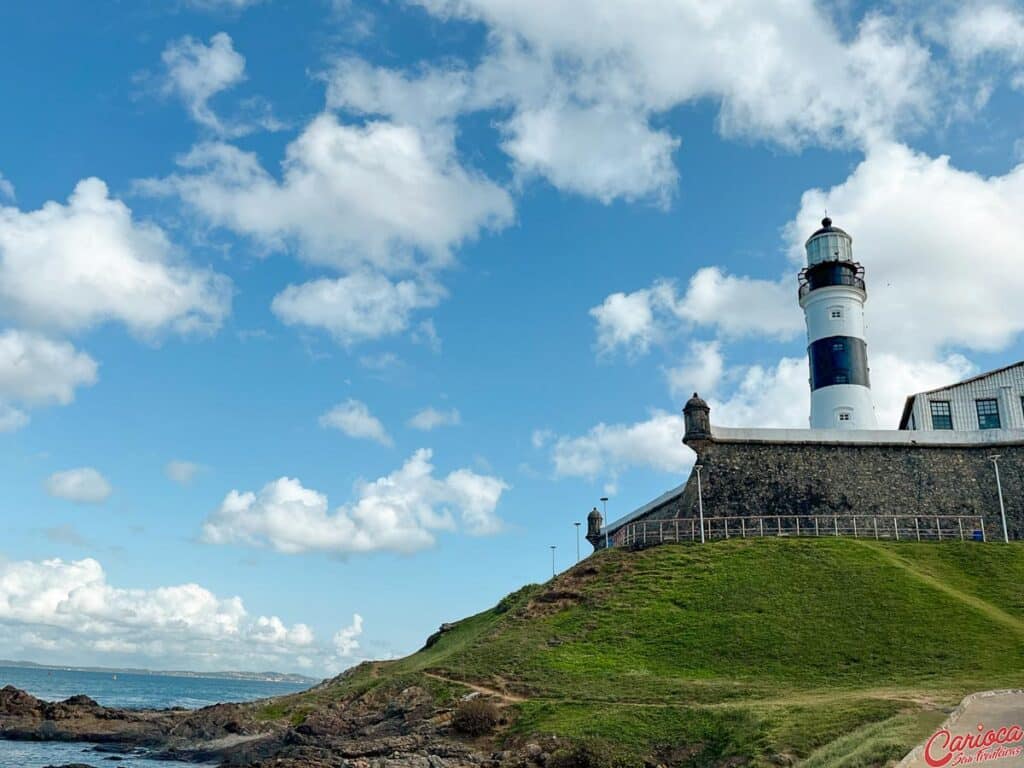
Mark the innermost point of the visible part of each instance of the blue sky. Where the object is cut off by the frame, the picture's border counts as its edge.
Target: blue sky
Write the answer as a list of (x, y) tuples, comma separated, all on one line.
[(321, 322)]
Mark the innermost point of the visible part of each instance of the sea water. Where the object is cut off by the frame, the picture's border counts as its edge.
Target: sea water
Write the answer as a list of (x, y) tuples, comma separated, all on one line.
[(137, 691)]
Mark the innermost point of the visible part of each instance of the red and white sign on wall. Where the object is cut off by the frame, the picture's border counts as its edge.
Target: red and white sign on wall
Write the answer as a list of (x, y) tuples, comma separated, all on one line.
[(987, 728)]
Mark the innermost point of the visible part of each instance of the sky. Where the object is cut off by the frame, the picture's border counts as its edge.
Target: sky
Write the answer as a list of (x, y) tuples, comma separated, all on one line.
[(322, 322)]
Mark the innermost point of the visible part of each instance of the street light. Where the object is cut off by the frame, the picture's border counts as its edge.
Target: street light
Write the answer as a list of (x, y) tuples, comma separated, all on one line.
[(604, 502), (999, 487), (577, 541), (700, 500), (552, 561)]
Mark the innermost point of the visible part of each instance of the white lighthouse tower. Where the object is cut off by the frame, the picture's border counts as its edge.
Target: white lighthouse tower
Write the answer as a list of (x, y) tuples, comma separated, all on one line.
[(832, 296)]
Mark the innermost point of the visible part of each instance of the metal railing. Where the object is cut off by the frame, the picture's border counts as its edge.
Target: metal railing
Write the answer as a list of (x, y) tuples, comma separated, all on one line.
[(646, 533)]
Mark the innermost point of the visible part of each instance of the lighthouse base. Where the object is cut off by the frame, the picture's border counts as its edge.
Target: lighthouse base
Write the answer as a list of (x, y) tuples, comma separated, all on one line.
[(842, 406)]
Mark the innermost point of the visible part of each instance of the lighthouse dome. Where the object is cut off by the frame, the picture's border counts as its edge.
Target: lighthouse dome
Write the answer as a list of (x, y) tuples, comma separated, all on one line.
[(828, 243)]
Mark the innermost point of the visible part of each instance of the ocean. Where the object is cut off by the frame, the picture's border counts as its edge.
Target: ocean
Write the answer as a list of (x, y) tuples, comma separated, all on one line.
[(121, 690)]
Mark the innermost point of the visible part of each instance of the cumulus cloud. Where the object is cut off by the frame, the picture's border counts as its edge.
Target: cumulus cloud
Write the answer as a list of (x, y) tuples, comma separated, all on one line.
[(979, 30), (6, 188), (378, 195), (71, 267), (581, 106), (382, 203), (346, 639), (12, 419), (197, 72), (358, 307), (609, 449), (431, 418), (72, 605), (598, 151), (182, 472), (400, 512), (222, 5), (701, 371), (84, 485), (354, 419), (733, 306), (36, 370), (940, 246)]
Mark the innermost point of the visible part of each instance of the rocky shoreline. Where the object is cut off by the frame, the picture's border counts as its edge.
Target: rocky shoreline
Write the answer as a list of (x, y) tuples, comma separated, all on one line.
[(403, 729)]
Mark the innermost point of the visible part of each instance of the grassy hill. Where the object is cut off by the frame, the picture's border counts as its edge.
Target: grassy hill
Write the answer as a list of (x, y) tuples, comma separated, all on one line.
[(822, 652)]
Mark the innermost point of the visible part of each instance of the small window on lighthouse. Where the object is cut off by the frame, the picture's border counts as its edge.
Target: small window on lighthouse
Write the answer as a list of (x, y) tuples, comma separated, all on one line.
[(836, 313), (844, 416)]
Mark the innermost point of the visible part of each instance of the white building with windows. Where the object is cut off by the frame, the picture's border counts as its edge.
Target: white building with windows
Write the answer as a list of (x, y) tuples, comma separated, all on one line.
[(993, 400)]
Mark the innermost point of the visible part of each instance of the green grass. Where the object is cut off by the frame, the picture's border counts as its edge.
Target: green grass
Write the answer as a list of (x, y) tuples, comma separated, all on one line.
[(835, 651)]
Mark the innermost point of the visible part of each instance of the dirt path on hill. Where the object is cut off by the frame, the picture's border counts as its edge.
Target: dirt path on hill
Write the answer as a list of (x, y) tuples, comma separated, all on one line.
[(509, 698), (994, 613), (926, 700)]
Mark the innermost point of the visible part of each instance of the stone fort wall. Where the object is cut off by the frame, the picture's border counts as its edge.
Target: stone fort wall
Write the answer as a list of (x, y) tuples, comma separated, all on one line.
[(742, 478)]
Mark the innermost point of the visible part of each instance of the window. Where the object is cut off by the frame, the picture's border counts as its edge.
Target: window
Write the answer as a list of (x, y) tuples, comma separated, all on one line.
[(988, 413), (844, 417), (836, 314), (942, 418), (842, 378), (838, 346)]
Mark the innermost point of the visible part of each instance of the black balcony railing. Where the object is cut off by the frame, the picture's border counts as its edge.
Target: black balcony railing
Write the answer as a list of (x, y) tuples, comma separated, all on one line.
[(830, 273)]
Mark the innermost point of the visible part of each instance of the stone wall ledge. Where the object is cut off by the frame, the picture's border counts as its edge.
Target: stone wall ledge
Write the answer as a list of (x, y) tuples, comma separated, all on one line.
[(937, 438)]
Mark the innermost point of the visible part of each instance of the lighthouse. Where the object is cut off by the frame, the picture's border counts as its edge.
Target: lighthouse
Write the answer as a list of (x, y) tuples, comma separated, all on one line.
[(832, 295)]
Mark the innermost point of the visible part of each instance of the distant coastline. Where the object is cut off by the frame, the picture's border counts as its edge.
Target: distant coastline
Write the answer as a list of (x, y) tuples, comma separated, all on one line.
[(265, 677)]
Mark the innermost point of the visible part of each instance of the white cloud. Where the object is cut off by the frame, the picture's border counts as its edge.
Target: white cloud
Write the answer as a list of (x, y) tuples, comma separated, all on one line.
[(742, 306), (430, 418), (346, 640), (71, 605), (11, 418), (6, 188), (70, 267), (541, 437), (609, 449), (354, 419), (598, 151), (940, 247), (635, 320), (35, 370), (992, 29), (379, 195), (734, 306), (700, 372), (84, 485), (426, 333), (581, 104), (198, 72), (222, 5), (400, 512), (358, 307), (182, 472)]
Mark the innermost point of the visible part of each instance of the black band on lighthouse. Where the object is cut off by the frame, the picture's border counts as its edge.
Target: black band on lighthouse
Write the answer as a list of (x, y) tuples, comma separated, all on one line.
[(838, 360)]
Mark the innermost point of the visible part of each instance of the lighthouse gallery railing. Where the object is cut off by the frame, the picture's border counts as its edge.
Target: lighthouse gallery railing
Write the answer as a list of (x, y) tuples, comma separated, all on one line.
[(895, 527)]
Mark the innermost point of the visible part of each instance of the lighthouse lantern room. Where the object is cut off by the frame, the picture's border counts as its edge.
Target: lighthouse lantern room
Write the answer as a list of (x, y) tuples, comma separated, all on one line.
[(832, 295)]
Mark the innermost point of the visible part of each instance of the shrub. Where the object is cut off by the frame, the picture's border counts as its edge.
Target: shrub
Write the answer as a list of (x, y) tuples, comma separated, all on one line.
[(476, 717), (591, 753)]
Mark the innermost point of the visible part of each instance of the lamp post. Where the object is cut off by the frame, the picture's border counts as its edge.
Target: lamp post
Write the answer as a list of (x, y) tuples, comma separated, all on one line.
[(552, 561), (999, 487), (604, 502), (700, 500), (577, 541)]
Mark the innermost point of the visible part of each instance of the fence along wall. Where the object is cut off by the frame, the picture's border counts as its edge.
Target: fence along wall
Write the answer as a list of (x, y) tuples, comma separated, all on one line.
[(749, 478)]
